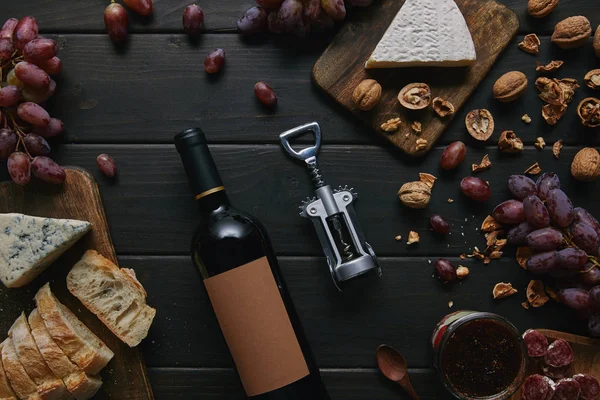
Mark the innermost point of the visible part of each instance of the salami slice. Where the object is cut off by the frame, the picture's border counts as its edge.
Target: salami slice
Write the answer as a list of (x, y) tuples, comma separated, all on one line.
[(567, 389), (537, 387), (552, 388), (560, 354), (554, 372), (536, 342), (590, 389)]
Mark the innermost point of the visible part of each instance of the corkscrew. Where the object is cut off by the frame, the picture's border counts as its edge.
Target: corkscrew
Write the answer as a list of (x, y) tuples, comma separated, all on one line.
[(332, 214)]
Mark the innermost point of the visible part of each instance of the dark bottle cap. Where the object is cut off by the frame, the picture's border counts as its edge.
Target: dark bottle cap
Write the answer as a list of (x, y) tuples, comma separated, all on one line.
[(198, 162)]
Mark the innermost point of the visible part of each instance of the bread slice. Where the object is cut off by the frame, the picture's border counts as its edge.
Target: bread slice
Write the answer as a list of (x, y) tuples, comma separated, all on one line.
[(6, 392), (81, 386), (33, 362), (80, 344), (114, 295), (21, 383)]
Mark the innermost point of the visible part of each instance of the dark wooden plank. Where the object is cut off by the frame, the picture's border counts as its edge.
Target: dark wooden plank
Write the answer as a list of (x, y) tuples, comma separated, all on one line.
[(342, 67), (344, 329), (150, 210), (86, 15), (211, 384)]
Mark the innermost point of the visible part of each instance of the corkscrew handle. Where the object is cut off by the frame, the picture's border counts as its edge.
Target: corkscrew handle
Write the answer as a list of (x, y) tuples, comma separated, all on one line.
[(308, 154)]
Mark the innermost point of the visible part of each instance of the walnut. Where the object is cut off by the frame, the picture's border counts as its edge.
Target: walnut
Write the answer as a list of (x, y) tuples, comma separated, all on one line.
[(586, 165), (427, 179), (540, 143), (462, 272), (592, 79), (413, 237), (597, 42), (415, 194), (530, 44), (526, 118), (367, 94), (495, 255), (589, 112), (536, 296), (442, 107), (492, 237), (490, 224), (398, 238), (483, 165), (415, 96), (553, 113), (502, 290), (572, 32), (541, 8), (550, 90), (551, 67), (450, 201), (510, 143), (480, 124), (535, 169), (421, 144), (500, 243), (568, 85), (417, 127), (391, 125), (510, 86), (450, 304), (556, 147)]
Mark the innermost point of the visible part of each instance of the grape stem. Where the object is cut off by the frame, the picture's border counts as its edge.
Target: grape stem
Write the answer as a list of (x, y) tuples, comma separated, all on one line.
[(569, 240), (19, 130)]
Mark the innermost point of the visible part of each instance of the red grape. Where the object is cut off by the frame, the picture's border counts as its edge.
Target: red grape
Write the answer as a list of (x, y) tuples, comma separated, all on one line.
[(10, 96), (32, 75), (585, 237), (518, 234), (6, 49), (33, 114), (54, 128), (595, 297), (290, 15), (19, 168), (38, 95), (521, 186), (47, 170), (52, 66), (214, 61), (106, 165), (270, 4), (25, 31), (253, 21), (8, 28), (545, 239), (560, 208), (445, 270), (116, 21), (334, 8), (265, 94), (476, 188), (453, 155), (582, 215), (8, 143), (578, 299), (36, 145), (571, 258), (536, 212), (591, 276), (40, 50), (142, 7), (545, 183), (439, 224), (509, 212), (12, 79), (542, 262), (193, 20), (312, 9)]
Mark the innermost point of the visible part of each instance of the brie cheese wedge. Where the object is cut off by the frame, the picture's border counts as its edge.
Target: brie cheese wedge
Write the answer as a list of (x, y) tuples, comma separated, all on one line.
[(429, 33), (28, 245)]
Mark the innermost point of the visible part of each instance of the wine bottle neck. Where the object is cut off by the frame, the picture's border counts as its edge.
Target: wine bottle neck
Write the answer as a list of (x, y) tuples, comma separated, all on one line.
[(214, 202)]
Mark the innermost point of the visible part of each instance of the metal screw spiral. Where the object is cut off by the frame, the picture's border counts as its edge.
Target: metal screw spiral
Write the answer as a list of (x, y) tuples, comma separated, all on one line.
[(317, 176)]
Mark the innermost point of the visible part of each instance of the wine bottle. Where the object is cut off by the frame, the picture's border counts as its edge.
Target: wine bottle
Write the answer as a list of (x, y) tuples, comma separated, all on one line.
[(244, 283)]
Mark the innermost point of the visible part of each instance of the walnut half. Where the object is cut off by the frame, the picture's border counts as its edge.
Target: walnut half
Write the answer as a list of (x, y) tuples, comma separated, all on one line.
[(415, 96), (589, 112), (391, 125), (502, 290), (530, 44), (480, 124), (510, 143), (592, 79), (442, 107)]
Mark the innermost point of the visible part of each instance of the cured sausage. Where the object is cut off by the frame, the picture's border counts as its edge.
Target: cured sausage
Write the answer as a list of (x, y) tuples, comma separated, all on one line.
[(536, 342), (554, 372), (590, 388), (567, 389), (559, 354), (537, 387)]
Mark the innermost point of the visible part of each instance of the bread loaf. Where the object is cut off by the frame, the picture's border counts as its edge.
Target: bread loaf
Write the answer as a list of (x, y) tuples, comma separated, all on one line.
[(6, 392), (21, 383)]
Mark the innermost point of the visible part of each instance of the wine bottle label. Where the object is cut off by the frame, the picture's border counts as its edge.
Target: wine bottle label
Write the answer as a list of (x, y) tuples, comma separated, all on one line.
[(257, 327)]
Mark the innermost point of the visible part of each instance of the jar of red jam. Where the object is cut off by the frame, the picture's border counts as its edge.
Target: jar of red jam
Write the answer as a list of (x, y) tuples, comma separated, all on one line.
[(479, 355)]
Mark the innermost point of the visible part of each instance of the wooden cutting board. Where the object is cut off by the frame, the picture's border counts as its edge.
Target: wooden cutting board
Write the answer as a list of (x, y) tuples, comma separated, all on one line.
[(341, 67), (587, 355), (125, 376)]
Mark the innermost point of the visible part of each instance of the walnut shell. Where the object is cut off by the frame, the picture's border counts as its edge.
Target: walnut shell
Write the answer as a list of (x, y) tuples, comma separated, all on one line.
[(442, 107), (589, 112), (592, 79), (367, 94), (572, 32), (415, 96), (597, 42), (541, 8), (415, 194), (510, 143), (480, 124), (586, 165), (510, 86)]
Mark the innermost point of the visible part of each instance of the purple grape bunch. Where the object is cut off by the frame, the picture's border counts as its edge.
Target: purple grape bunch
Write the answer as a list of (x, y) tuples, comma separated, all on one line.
[(27, 62), (564, 240)]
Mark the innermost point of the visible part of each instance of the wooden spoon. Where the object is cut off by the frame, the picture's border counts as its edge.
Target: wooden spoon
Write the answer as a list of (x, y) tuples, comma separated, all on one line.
[(393, 366)]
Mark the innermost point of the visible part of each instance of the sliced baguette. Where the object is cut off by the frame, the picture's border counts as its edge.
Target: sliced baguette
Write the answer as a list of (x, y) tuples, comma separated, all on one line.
[(6, 392), (81, 386), (21, 383), (114, 295), (33, 362), (80, 344)]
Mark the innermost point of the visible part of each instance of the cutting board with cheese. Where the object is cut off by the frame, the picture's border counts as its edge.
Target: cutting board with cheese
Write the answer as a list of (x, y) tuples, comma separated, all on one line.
[(125, 376), (342, 66)]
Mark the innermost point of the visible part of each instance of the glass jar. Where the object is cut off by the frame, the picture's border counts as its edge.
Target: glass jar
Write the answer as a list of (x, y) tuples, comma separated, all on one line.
[(479, 355)]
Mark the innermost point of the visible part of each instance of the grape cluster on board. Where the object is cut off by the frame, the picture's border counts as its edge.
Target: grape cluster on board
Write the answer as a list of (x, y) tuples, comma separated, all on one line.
[(27, 62), (564, 240)]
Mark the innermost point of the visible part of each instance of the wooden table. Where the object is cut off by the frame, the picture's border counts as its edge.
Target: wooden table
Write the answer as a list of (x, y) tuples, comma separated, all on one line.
[(130, 104)]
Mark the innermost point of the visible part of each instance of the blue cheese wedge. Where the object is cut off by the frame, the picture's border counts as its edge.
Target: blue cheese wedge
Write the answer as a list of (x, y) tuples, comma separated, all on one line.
[(28, 245), (429, 33)]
